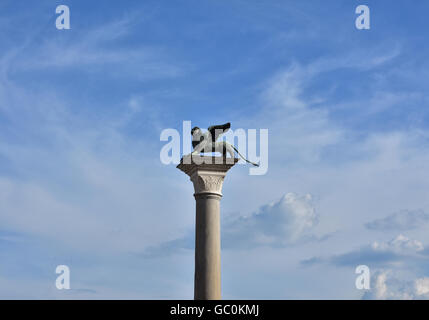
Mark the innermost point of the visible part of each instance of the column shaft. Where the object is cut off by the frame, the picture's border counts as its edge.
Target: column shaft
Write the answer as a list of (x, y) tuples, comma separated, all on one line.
[(207, 247)]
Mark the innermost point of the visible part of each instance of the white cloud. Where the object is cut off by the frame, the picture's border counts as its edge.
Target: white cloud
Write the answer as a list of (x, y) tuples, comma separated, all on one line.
[(400, 251), (284, 222), (399, 245), (422, 287), (389, 285), (385, 287)]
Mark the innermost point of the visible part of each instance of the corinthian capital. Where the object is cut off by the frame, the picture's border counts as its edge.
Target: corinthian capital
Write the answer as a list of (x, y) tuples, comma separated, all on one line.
[(207, 173)]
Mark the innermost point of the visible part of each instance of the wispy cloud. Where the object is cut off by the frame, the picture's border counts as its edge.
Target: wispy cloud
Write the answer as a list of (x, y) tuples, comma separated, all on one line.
[(396, 252), (403, 220), (95, 51)]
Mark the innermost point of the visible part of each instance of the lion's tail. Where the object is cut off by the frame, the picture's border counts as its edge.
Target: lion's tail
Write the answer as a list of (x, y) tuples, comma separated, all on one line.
[(255, 164)]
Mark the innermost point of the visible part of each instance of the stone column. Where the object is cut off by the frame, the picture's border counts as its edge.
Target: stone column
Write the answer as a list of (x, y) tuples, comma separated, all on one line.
[(207, 175)]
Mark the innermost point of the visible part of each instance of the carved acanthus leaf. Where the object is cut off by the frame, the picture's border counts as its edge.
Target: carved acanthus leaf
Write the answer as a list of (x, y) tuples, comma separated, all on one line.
[(208, 183)]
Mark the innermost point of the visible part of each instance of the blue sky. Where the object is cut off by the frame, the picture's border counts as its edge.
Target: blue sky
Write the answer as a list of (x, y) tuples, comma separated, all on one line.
[(81, 112)]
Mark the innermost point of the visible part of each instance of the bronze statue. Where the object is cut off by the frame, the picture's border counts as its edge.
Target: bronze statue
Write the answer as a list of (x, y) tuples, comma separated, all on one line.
[(207, 142)]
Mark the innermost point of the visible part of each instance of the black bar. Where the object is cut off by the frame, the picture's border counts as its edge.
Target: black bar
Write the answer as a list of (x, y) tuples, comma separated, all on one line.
[(224, 309)]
